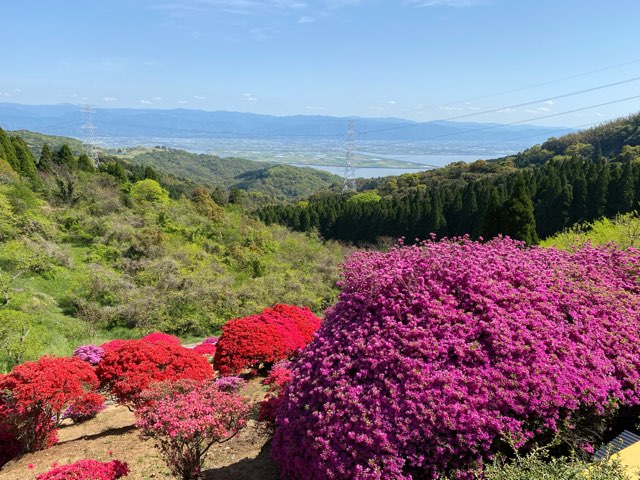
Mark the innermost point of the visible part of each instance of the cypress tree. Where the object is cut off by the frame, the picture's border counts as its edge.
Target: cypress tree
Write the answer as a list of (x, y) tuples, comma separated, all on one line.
[(518, 219), (66, 157), (45, 163), (491, 225)]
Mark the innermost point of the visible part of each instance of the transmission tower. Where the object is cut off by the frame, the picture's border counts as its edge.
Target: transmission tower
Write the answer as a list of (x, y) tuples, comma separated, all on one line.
[(349, 178), (89, 139)]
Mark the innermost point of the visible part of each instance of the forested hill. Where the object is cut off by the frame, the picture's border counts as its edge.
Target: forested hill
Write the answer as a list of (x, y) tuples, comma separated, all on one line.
[(262, 181), (574, 178), (87, 255)]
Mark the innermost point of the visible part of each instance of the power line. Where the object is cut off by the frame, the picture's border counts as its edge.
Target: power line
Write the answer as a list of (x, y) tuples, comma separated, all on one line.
[(491, 127), (531, 86), (517, 105)]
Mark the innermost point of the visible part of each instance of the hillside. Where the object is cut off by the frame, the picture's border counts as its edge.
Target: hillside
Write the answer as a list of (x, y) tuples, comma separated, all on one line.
[(269, 180), (88, 255), (537, 193)]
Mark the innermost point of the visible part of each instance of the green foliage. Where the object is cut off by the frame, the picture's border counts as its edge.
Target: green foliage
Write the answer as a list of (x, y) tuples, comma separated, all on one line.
[(20, 339), (623, 230), (149, 191), (364, 197), (538, 466), (89, 256)]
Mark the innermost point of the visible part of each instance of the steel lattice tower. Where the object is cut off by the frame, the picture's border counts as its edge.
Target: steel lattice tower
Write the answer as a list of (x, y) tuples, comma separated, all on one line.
[(89, 128), (349, 178)]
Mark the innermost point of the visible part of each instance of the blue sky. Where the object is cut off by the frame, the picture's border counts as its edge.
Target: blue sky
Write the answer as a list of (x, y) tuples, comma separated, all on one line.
[(417, 59)]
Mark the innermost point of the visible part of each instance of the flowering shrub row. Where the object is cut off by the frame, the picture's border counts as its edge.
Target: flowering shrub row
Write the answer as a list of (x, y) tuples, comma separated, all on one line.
[(275, 334), (87, 470), (34, 396), (132, 366), (186, 419), (435, 353)]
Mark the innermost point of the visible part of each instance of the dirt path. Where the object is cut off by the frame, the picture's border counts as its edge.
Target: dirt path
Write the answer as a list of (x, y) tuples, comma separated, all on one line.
[(112, 435)]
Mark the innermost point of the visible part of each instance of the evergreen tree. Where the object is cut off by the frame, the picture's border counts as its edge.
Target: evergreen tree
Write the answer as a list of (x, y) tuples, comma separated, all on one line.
[(66, 158), (518, 219), (85, 163), (45, 163), (492, 219)]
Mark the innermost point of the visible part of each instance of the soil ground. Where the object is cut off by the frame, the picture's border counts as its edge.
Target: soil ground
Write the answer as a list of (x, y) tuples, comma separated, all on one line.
[(112, 435)]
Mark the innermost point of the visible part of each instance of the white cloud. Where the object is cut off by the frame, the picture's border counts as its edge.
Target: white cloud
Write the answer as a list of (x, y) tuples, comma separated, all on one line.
[(538, 110), (156, 99), (73, 95), (314, 108), (183, 102), (550, 102), (448, 108), (375, 108), (392, 102), (145, 102), (306, 19), (17, 90), (5, 94), (249, 97), (199, 97), (109, 99)]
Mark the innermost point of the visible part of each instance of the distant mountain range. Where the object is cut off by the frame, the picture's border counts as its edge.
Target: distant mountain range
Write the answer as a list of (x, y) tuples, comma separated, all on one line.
[(67, 119)]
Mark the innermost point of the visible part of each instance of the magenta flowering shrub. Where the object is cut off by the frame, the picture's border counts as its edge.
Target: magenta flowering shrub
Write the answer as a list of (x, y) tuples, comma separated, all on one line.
[(89, 353), (229, 384), (87, 470), (186, 419), (436, 353), (210, 340)]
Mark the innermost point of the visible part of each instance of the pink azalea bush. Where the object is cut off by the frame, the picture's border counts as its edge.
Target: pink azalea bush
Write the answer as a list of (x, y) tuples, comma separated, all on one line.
[(87, 470), (229, 384), (437, 354), (89, 353), (187, 420), (278, 379), (211, 340)]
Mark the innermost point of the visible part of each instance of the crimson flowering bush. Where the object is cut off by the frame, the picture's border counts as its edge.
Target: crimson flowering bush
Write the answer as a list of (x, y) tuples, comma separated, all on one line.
[(34, 396), (128, 369), (437, 353), (156, 337), (113, 344), (87, 470), (275, 334), (89, 353), (207, 349), (85, 407), (187, 420)]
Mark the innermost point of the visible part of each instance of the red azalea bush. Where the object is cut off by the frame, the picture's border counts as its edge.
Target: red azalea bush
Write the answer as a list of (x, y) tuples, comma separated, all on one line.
[(207, 349), (85, 407), (126, 370), (34, 396), (87, 470), (437, 353), (275, 334), (113, 344), (157, 337), (187, 420)]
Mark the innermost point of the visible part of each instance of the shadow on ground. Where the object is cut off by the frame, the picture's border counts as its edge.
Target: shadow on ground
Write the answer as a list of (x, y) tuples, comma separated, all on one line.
[(262, 467)]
